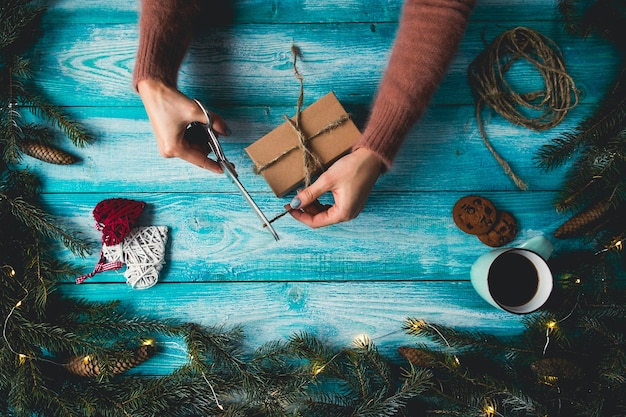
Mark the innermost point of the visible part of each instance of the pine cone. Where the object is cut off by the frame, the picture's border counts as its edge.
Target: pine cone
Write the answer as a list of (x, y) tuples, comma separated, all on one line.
[(557, 367), (417, 356), (47, 153), (88, 366), (576, 225)]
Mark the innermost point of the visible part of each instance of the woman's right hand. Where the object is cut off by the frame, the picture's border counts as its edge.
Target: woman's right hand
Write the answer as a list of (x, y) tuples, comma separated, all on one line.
[(170, 112)]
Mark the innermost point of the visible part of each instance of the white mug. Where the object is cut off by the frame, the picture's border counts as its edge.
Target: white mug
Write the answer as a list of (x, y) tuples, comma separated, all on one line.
[(517, 280)]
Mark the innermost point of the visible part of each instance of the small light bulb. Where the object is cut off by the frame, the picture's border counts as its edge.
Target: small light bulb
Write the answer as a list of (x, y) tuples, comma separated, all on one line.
[(19, 304), (551, 324), (417, 324), (317, 369), (361, 339), (148, 342), (86, 359), (11, 272), (22, 358)]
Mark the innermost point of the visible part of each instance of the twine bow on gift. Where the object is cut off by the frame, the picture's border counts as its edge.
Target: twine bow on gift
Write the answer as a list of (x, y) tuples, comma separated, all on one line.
[(312, 162)]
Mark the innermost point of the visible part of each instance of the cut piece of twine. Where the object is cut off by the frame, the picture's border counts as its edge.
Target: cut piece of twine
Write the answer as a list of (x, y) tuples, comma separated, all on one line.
[(486, 78), (312, 162)]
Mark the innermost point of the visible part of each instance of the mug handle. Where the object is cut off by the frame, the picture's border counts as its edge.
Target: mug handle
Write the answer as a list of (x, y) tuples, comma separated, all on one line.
[(540, 245)]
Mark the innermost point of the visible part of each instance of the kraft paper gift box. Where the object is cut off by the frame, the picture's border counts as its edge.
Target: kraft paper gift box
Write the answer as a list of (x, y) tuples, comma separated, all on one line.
[(328, 131)]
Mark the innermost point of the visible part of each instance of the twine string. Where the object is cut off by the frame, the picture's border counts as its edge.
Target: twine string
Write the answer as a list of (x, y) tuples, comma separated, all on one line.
[(312, 162), (487, 79)]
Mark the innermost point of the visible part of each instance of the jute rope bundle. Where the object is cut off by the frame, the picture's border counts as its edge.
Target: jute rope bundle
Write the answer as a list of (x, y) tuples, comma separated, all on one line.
[(487, 79)]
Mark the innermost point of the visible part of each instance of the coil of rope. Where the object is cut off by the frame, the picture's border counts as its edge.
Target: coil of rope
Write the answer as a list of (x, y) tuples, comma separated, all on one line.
[(486, 75)]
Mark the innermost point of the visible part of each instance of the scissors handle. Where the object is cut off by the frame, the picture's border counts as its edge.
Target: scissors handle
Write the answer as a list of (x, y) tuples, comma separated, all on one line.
[(214, 143)]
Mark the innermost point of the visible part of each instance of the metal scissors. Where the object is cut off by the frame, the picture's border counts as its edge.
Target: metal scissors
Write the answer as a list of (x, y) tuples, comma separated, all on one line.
[(221, 159)]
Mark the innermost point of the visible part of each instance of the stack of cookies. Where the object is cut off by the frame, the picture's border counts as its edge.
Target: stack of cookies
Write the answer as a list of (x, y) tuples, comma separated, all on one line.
[(478, 216)]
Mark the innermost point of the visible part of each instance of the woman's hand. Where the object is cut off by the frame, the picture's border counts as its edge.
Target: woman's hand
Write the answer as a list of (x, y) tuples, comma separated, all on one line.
[(350, 179), (170, 112)]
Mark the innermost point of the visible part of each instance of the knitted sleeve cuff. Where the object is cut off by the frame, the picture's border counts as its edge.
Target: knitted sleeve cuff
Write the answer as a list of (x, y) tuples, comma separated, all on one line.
[(386, 129), (165, 30), (153, 61)]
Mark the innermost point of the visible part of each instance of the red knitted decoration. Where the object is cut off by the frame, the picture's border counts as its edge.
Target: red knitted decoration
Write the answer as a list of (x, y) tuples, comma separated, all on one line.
[(115, 217)]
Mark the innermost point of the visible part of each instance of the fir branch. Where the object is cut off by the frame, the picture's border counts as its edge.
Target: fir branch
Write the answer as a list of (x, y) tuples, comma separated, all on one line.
[(17, 19), (607, 121), (25, 380), (321, 356), (51, 337), (416, 381), (571, 15), (457, 338), (18, 183), (368, 350), (10, 134), (51, 403), (216, 347), (42, 222), (71, 310), (53, 114), (588, 180)]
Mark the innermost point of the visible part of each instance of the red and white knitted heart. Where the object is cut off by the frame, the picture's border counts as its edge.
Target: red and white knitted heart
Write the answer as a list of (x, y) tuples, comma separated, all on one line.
[(143, 253), (141, 249), (115, 217)]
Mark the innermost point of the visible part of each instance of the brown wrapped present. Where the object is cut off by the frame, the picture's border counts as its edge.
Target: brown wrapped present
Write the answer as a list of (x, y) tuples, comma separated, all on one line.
[(290, 153)]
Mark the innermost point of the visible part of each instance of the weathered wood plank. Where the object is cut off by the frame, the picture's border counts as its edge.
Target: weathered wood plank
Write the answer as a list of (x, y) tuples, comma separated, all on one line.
[(399, 236), (402, 257), (443, 146), (298, 11), (336, 312), (252, 64)]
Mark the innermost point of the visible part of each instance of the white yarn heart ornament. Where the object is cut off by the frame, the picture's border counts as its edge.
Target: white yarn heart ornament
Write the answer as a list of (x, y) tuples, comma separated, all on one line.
[(143, 252)]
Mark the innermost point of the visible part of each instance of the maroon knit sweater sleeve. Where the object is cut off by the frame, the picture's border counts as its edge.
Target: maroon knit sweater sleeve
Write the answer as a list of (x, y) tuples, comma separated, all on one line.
[(165, 30), (427, 38)]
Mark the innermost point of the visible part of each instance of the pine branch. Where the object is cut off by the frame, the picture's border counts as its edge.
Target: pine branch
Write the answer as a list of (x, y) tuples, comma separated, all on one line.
[(51, 337), (18, 18), (218, 348), (456, 338), (571, 16), (372, 358), (73, 130), (321, 356), (416, 381), (596, 175), (608, 120), (42, 222)]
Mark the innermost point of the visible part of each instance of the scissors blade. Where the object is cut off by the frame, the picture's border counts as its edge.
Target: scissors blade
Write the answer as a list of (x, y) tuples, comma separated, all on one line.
[(216, 147), (228, 170)]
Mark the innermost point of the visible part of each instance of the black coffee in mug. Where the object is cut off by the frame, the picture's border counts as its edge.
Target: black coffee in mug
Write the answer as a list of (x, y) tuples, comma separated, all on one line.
[(513, 279)]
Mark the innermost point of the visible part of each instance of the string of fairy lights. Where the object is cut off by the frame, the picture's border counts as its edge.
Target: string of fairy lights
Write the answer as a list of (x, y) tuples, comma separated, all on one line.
[(22, 357), (412, 326)]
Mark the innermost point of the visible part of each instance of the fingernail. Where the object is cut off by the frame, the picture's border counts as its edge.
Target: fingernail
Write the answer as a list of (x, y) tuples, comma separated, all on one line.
[(295, 203)]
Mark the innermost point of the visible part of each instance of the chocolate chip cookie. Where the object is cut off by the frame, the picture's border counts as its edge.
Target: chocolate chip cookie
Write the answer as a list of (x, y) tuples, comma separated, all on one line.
[(503, 232), (474, 214)]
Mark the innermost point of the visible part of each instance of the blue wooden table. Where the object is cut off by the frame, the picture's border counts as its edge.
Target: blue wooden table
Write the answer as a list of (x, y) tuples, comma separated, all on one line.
[(402, 257)]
